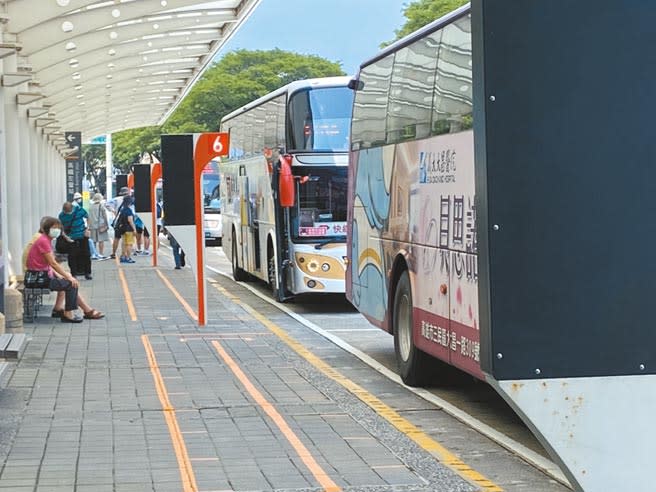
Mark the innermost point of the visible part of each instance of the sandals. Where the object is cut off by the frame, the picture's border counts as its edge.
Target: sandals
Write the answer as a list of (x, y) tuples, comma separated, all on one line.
[(94, 314)]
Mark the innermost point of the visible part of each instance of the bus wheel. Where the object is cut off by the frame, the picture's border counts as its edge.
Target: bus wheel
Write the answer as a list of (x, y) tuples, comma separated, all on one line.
[(237, 273), (411, 362)]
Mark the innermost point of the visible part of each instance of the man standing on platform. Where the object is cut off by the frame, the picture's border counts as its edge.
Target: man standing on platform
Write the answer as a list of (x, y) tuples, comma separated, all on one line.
[(73, 219)]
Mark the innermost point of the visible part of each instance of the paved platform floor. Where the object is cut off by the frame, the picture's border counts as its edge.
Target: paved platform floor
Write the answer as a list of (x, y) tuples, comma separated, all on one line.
[(145, 400)]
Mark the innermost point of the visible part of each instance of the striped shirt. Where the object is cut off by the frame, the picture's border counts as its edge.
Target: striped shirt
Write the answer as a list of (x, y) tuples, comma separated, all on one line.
[(73, 223)]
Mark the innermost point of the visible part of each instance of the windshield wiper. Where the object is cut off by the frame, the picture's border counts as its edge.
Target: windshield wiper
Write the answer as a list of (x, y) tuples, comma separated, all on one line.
[(329, 241)]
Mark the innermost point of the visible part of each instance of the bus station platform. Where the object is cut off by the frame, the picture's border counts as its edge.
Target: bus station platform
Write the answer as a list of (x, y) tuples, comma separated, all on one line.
[(145, 400)]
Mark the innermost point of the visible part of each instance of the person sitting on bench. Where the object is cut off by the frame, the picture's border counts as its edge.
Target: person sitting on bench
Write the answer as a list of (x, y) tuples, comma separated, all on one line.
[(41, 258)]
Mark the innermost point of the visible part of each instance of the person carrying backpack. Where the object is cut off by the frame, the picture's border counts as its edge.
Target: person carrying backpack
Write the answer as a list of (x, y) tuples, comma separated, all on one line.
[(124, 229)]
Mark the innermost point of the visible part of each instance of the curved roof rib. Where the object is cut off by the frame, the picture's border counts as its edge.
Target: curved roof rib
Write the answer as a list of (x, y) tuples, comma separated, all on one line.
[(100, 66)]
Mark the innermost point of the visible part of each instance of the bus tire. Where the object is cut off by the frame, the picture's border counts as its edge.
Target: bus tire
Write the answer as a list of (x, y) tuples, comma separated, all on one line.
[(412, 363), (237, 273)]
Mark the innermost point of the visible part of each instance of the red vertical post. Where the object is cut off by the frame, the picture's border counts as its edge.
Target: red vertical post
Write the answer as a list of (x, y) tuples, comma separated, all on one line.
[(207, 147)]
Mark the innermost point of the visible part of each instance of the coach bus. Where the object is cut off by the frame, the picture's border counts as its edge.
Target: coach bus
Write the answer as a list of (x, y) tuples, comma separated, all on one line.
[(411, 217), (284, 184)]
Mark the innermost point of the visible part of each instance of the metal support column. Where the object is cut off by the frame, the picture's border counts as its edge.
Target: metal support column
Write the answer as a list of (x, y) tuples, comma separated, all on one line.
[(27, 160), (109, 166), (14, 228), (4, 267)]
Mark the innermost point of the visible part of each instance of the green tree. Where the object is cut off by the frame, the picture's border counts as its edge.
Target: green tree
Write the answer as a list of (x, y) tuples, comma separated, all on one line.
[(93, 157), (129, 145), (421, 12), (238, 78)]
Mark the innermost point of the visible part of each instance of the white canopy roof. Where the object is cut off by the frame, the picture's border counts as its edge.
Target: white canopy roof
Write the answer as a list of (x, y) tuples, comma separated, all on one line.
[(105, 66)]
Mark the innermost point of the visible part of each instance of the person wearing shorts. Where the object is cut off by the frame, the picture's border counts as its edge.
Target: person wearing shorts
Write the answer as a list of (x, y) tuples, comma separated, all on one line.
[(125, 230), (143, 236)]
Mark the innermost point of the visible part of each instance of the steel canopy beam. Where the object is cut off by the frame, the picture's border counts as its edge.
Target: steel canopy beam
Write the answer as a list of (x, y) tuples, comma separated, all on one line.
[(99, 66)]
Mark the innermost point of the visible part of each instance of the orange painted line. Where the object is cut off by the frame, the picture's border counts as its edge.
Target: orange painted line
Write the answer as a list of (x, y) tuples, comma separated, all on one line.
[(127, 295), (184, 463), (322, 477), (177, 295)]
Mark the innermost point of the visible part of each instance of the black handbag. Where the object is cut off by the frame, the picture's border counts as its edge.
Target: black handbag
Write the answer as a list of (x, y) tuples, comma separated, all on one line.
[(63, 245), (36, 279)]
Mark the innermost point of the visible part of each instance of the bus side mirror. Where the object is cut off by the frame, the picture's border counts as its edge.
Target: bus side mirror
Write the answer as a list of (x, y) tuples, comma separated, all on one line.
[(286, 187), (355, 85)]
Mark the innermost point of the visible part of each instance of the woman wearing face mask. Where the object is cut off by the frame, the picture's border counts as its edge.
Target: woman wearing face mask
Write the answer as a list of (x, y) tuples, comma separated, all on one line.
[(41, 258)]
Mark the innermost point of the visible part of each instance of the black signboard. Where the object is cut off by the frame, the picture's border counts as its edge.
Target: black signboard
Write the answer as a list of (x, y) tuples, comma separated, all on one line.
[(178, 179), (74, 169), (121, 182), (142, 193), (565, 186)]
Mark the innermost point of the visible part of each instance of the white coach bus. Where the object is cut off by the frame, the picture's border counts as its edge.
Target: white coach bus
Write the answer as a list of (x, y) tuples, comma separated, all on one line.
[(284, 187)]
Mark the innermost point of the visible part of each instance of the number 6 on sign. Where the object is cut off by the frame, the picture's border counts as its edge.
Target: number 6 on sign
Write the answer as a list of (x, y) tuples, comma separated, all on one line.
[(218, 145), (211, 145)]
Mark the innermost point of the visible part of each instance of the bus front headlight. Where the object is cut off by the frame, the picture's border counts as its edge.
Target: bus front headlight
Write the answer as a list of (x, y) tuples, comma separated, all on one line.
[(313, 265)]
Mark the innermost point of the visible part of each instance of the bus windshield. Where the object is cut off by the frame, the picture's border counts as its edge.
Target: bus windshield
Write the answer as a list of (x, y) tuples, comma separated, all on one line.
[(211, 190), (320, 212), (320, 119)]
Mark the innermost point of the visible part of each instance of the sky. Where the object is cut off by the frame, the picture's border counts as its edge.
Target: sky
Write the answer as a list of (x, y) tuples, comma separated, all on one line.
[(346, 31)]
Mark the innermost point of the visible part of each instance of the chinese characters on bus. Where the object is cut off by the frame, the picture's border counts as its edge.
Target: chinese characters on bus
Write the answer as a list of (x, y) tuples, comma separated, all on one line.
[(449, 339)]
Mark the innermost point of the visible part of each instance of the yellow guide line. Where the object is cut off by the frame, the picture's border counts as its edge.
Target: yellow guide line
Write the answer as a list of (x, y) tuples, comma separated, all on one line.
[(413, 432), (177, 295), (184, 464), (127, 295), (322, 477)]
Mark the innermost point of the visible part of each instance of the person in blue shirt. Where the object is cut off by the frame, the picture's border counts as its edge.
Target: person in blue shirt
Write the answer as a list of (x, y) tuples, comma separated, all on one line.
[(73, 219)]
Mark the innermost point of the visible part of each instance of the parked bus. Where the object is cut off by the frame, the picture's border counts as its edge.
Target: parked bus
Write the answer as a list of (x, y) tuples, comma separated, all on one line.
[(284, 184), (212, 204), (412, 221)]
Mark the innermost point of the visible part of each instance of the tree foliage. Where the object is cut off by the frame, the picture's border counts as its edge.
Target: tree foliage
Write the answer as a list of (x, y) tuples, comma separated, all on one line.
[(421, 12), (93, 157), (238, 78), (129, 145)]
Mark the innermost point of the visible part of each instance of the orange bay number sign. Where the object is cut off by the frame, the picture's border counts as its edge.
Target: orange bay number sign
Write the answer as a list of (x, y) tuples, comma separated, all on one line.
[(211, 145)]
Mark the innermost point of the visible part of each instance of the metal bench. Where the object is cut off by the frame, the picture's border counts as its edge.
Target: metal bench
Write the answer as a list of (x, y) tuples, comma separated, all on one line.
[(12, 345), (32, 301)]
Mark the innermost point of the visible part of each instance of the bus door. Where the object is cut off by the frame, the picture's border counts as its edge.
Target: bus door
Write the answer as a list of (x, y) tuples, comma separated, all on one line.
[(245, 219)]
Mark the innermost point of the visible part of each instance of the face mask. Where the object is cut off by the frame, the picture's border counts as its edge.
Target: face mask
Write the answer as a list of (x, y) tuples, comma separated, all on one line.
[(54, 233)]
